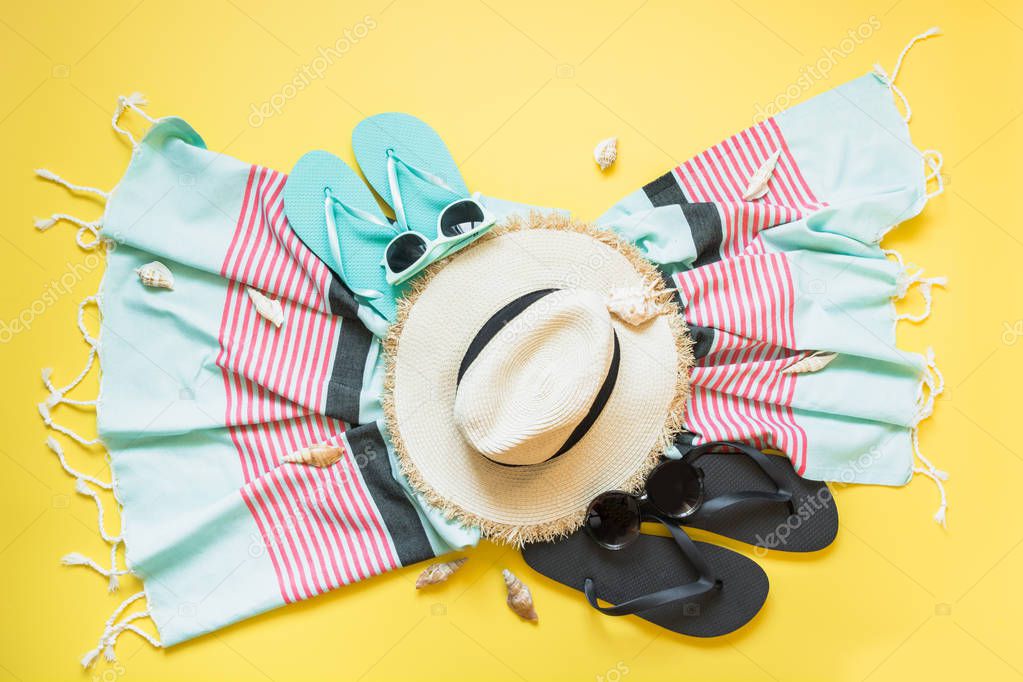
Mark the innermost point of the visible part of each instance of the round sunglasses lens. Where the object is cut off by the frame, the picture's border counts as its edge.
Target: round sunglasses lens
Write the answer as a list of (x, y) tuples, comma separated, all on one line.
[(613, 519), (460, 218), (405, 250), (675, 488)]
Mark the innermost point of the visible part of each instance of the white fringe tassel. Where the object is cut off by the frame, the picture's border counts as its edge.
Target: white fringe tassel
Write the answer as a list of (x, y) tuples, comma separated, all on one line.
[(52, 443), (91, 228), (56, 396), (934, 161), (927, 284), (890, 80), (85, 227), (82, 488), (87, 237), (76, 559), (113, 629), (135, 101), (83, 189), (934, 382)]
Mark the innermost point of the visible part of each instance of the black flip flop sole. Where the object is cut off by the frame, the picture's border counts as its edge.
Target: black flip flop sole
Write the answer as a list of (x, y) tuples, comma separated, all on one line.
[(766, 524), (652, 563)]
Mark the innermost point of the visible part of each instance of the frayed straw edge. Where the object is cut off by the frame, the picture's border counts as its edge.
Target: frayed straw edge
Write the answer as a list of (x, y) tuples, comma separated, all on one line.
[(517, 534)]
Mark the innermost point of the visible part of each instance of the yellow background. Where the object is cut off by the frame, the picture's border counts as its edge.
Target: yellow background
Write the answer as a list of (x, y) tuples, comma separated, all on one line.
[(521, 91)]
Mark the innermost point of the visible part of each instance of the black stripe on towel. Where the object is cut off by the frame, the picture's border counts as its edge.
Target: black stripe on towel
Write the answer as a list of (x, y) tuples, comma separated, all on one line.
[(344, 389), (703, 337), (705, 224), (664, 191), (703, 218), (342, 301), (703, 340), (403, 525)]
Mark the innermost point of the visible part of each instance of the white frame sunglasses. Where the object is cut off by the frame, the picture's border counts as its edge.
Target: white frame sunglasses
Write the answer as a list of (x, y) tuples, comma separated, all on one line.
[(458, 224)]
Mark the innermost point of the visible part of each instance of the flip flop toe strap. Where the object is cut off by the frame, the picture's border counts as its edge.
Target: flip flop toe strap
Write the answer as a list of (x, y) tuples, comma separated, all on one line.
[(705, 583), (392, 181), (716, 504), (720, 502), (330, 203)]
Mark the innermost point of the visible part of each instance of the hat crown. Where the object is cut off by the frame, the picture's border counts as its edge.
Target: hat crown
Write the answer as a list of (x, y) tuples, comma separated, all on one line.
[(536, 379)]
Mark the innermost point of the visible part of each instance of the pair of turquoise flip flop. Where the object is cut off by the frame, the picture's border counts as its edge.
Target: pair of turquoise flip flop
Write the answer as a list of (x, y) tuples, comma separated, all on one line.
[(336, 216)]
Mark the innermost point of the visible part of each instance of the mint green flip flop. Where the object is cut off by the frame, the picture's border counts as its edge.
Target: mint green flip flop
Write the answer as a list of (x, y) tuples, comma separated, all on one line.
[(410, 167), (334, 214)]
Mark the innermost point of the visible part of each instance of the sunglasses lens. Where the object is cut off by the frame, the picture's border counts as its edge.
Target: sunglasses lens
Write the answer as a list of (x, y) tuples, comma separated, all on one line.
[(405, 250), (613, 519), (675, 488), (461, 218)]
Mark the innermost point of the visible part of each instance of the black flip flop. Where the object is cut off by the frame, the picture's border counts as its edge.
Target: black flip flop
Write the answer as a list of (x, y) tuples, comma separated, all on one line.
[(691, 588), (760, 499)]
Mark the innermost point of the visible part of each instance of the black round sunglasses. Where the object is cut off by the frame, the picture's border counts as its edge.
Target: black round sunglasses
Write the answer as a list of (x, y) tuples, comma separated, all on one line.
[(674, 489)]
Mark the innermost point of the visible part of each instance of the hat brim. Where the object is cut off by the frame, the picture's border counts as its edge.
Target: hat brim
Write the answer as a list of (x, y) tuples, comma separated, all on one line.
[(436, 323)]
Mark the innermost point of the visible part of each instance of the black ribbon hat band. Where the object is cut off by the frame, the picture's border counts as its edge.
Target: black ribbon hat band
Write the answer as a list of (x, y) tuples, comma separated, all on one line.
[(497, 322)]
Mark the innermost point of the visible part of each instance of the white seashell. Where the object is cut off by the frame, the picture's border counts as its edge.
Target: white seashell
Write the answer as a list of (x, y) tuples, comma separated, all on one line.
[(321, 455), (156, 274), (438, 573), (761, 178), (268, 308), (634, 305), (814, 362), (519, 598), (606, 152)]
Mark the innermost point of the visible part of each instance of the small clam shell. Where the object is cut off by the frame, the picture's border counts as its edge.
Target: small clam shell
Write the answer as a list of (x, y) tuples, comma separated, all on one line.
[(606, 152), (814, 362), (156, 274), (519, 598), (268, 308), (321, 455), (761, 178), (438, 573)]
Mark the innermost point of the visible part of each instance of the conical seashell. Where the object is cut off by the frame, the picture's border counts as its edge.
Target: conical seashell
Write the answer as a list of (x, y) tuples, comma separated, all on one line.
[(634, 305), (321, 455), (438, 573), (814, 362), (758, 183), (519, 599), (156, 274), (606, 152), (268, 308)]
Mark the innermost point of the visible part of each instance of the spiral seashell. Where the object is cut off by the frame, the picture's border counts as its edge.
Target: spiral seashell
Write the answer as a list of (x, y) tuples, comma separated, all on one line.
[(156, 274), (634, 305), (438, 573), (606, 152), (267, 308), (814, 362), (520, 600), (321, 455)]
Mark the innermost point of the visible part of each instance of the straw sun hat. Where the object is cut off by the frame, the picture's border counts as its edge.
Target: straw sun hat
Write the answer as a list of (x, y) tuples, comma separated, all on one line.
[(527, 374)]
